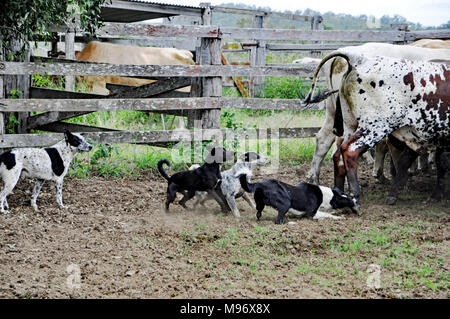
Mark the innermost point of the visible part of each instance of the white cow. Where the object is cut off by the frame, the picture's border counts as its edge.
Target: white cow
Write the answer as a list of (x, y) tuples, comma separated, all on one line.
[(380, 96), (336, 68)]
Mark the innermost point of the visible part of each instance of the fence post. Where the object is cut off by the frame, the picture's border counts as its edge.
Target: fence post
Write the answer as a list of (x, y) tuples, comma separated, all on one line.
[(399, 27), (2, 96), (316, 24), (259, 57), (208, 53), (70, 54)]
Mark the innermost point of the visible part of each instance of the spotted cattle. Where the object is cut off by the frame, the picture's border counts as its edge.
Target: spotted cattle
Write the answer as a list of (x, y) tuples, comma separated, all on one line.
[(335, 69), (381, 96)]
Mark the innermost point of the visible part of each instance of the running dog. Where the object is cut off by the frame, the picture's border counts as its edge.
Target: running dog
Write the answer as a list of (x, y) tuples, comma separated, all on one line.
[(304, 197), (43, 164), (204, 178), (230, 186)]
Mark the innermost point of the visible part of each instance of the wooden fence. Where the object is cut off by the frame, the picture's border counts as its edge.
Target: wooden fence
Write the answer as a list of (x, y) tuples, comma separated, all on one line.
[(204, 103)]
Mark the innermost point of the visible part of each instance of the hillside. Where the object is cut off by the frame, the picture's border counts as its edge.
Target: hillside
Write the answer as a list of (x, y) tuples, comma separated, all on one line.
[(332, 21)]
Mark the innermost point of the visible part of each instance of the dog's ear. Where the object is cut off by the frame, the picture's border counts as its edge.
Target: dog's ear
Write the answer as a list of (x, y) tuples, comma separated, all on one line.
[(67, 135)]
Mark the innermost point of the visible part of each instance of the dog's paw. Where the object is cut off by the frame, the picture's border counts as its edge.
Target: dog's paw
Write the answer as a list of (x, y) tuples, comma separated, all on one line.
[(63, 207), (35, 208), (3, 211)]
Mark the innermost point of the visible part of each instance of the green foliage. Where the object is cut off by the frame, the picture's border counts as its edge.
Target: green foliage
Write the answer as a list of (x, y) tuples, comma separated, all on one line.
[(45, 81), (284, 88), (228, 119), (21, 20), (15, 94), (12, 123)]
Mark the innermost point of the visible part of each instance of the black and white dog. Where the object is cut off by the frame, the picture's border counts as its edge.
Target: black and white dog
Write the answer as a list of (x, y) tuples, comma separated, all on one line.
[(43, 164), (204, 178), (230, 185), (304, 197)]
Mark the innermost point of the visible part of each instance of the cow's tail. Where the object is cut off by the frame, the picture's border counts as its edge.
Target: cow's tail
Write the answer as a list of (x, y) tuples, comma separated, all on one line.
[(161, 168), (338, 124), (326, 93), (248, 187)]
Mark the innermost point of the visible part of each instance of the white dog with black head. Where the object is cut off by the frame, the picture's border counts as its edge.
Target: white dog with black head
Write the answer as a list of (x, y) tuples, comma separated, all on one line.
[(43, 164)]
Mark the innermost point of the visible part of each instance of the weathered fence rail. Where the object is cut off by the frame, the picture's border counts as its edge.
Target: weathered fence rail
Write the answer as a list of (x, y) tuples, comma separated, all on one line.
[(210, 31), (194, 103), (150, 71), (153, 137), (205, 79)]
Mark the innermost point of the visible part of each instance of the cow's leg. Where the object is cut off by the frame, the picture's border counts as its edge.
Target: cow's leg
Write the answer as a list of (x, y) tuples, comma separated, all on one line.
[(351, 154), (378, 168), (404, 161), (413, 169), (368, 158), (422, 165), (324, 139), (396, 148), (439, 189), (339, 167)]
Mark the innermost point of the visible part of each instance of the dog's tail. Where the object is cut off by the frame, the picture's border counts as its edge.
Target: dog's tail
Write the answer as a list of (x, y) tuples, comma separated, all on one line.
[(161, 168), (248, 187)]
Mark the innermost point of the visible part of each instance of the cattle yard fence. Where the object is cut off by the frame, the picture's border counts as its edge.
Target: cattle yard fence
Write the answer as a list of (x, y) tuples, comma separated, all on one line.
[(202, 105)]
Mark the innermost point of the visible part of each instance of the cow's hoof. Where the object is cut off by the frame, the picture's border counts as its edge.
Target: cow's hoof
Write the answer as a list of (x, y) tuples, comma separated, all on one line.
[(390, 200), (382, 179), (435, 197)]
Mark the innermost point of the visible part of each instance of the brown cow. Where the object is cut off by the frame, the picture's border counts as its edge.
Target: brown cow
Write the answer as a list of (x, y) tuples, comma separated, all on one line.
[(126, 54)]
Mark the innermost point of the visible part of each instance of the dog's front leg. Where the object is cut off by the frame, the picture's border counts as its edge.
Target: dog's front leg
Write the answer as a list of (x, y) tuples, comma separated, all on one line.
[(249, 200), (187, 196), (9, 184), (232, 203), (59, 194), (36, 191), (224, 207)]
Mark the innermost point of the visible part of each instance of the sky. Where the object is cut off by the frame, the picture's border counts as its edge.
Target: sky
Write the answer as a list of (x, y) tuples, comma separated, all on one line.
[(426, 12)]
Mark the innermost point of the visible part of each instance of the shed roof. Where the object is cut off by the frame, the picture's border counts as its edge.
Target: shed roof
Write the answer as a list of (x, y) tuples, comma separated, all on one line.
[(123, 11)]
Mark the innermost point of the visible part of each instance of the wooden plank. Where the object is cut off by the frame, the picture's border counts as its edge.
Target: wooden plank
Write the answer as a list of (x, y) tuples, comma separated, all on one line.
[(427, 34), (237, 81), (172, 94), (307, 47), (46, 93), (61, 126), (156, 104), (2, 115), (70, 54), (288, 16), (258, 58), (147, 90), (194, 31), (146, 137), (39, 120), (152, 71)]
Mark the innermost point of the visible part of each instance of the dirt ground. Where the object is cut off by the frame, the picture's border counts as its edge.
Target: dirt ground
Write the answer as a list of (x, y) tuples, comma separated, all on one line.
[(117, 240)]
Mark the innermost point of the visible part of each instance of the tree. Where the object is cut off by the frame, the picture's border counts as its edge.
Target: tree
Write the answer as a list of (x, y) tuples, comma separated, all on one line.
[(21, 20)]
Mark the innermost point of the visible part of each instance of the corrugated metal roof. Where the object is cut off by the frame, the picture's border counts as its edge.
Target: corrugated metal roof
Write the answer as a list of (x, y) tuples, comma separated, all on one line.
[(165, 4), (139, 10)]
